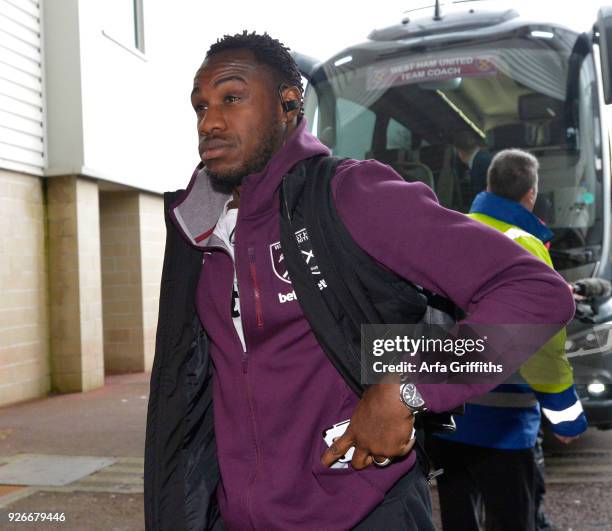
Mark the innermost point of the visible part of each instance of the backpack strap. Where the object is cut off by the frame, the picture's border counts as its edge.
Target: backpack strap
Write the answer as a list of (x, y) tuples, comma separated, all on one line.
[(342, 287), (362, 286), (322, 312)]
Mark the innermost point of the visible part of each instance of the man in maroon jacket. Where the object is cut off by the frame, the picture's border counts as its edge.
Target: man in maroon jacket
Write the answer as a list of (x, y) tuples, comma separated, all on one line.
[(274, 390)]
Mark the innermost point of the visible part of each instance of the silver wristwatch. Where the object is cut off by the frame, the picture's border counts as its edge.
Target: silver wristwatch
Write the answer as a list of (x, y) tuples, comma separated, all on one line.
[(411, 398)]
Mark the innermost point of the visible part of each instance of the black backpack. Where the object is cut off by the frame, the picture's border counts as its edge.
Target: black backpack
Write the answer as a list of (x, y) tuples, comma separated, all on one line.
[(345, 287)]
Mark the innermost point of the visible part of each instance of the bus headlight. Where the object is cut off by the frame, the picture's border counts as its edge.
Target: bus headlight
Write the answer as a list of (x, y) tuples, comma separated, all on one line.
[(596, 389)]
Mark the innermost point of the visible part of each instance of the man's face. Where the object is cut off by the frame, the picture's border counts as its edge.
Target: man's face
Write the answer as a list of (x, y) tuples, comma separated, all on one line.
[(463, 157), (239, 116)]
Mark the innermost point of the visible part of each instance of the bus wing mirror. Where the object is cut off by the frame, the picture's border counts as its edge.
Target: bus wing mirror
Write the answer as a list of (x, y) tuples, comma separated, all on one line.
[(306, 64), (309, 67), (604, 26)]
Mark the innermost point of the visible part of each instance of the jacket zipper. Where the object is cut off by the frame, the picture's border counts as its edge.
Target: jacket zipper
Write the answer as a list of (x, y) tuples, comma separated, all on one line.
[(256, 290), (245, 369), (285, 199), (249, 395), (253, 478)]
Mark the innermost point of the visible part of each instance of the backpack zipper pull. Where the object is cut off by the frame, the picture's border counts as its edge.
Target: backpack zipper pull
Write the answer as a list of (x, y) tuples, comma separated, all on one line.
[(434, 474)]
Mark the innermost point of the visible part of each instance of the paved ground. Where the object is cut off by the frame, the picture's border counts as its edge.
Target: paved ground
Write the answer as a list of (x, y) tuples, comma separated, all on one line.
[(85, 511), (110, 423)]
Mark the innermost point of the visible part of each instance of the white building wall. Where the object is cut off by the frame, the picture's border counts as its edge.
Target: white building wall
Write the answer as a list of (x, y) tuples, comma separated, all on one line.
[(21, 87), (115, 79), (64, 120), (113, 108)]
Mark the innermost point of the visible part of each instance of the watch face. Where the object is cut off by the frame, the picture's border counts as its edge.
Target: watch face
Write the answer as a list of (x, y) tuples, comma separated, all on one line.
[(411, 396)]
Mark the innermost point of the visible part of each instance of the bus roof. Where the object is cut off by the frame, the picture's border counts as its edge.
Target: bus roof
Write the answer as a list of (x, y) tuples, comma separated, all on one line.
[(466, 23)]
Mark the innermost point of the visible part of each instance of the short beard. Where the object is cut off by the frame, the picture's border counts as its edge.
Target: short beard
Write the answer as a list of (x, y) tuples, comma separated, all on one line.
[(226, 182)]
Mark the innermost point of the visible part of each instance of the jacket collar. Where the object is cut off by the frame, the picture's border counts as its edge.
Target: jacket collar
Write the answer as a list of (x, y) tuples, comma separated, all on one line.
[(197, 210), (510, 212)]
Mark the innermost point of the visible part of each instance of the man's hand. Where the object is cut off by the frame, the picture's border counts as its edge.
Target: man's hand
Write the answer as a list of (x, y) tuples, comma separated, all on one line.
[(380, 427)]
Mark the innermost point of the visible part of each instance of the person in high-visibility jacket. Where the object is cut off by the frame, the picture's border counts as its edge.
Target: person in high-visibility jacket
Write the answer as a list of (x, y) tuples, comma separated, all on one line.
[(489, 459)]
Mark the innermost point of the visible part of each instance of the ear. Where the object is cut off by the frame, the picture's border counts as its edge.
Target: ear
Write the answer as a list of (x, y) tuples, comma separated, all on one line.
[(533, 195), (529, 199), (291, 94)]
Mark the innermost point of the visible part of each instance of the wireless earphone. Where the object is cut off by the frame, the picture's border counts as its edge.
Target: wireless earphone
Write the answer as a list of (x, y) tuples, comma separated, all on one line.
[(289, 105)]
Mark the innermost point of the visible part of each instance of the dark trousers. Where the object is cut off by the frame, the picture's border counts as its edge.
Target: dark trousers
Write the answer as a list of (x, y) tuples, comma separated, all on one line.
[(406, 507), (499, 482), (542, 521)]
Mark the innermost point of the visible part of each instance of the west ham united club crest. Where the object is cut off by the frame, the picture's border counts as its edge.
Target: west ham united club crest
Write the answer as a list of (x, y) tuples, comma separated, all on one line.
[(278, 259), (278, 262)]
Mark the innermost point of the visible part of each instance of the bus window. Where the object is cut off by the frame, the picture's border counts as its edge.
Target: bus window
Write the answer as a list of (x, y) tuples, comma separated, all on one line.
[(408, 109), (354, 129), (398, 136)]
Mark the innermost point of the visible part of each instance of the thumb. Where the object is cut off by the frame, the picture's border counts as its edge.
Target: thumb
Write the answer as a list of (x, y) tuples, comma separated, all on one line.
[(338, 448)]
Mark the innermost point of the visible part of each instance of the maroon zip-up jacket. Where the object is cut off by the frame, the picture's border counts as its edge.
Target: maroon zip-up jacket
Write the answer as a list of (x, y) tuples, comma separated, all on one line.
[(272, 402)]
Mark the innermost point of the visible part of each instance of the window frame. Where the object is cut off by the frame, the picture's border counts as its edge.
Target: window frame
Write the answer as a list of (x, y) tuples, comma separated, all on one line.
[(136, 43)]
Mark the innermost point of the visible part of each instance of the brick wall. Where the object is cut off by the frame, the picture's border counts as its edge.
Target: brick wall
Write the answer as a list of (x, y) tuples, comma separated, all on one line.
[(132, 237), (121, 287), (96, 247), (152, 242), (24, 340), (90, 292), (77, 360)]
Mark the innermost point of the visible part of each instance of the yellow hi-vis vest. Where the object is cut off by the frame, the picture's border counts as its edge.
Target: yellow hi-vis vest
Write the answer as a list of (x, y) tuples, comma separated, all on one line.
[(548, 370)]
